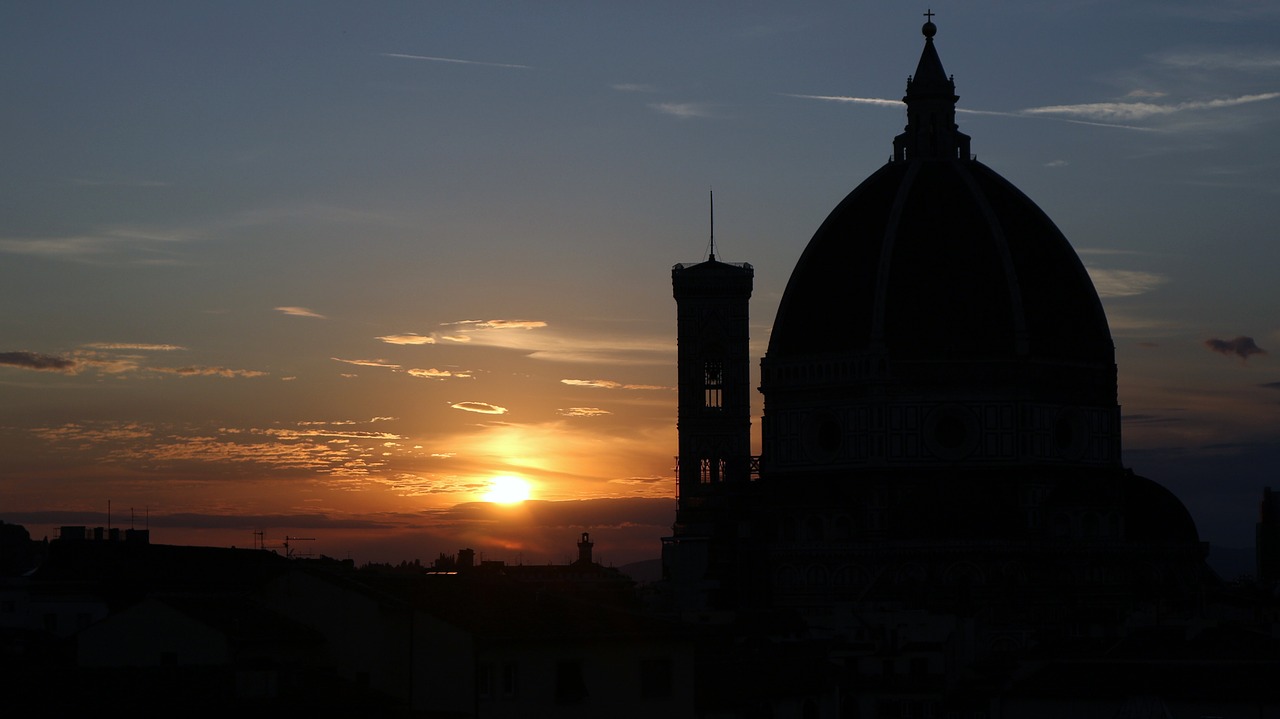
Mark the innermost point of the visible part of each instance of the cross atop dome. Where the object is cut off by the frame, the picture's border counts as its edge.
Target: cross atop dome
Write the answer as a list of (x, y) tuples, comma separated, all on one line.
[(931, 132)]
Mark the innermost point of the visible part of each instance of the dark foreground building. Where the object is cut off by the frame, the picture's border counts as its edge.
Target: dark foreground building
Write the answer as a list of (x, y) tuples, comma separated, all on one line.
[(941, 490)]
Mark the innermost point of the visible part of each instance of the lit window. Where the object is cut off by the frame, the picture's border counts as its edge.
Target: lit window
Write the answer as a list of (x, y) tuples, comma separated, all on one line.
[(713, 384)]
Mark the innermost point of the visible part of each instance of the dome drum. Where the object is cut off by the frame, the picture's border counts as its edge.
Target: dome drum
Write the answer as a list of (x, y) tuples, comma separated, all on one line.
[(862, 435)]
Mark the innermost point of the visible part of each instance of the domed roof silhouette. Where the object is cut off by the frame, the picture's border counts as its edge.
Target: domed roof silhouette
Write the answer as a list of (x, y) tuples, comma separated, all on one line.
[(940, 259), (937, 257), (938, 316)]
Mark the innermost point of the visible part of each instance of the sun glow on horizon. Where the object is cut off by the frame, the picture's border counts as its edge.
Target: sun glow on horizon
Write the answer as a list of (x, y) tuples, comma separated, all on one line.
[(507, 490)]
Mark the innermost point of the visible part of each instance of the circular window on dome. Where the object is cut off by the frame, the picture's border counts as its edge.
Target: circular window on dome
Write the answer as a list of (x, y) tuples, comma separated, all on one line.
[(951, 432), (823, 436), (1070, 433)]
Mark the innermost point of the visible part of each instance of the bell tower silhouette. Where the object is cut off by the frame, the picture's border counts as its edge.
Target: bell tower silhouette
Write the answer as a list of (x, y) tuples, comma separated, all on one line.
[(714, 425), (714, 415)]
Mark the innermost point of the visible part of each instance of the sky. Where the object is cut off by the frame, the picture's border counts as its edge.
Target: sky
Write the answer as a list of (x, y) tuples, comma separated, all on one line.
[(325, 269)]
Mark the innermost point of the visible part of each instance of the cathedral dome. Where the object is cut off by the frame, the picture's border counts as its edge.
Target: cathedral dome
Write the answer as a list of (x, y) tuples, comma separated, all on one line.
[(940, 259), (938, 316)]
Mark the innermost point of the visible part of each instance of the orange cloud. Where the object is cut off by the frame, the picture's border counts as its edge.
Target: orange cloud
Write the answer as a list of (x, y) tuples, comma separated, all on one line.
[(133, 346), (434, 373), (408, 338), (500, 324), (609, 384), (195, 371), (367, 363), (480, 407), (300, 312), (584, 412)]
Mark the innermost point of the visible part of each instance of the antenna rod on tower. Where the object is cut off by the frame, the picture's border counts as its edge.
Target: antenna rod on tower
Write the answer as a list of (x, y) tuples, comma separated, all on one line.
[(712, 208)]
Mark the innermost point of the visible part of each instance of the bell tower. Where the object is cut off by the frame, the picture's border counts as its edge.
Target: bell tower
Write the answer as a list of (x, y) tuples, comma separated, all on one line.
[(714, 415), (714, 424)]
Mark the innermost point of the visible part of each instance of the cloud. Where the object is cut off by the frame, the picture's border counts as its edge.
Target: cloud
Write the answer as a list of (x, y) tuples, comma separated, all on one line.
[(584, 412), (1148, 94), (845, 98), (1270, 385), (191, 520), (300, 312), (1124, 283), (133, 346), (408, 338), (500, 324), (884, 102), (434, 373), (119, 247), (609, 384), (197, 371), (1240, 61), (545, 343), (1130, 111), (1242, 347), (588, 513), (453, 60), (341, 433), (633, 87), (480, 407), (367, 362), (682, 110), (37, 361), (1057, 163)]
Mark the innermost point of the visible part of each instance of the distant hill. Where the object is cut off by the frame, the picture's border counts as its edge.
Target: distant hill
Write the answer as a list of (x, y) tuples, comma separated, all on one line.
[(650, 570)]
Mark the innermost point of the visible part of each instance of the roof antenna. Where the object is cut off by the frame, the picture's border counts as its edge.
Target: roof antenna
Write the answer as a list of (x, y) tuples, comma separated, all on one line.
[(711, 255)]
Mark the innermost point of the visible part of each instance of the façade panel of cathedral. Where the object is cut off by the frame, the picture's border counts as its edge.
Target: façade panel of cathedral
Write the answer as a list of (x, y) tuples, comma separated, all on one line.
[(940, 426)]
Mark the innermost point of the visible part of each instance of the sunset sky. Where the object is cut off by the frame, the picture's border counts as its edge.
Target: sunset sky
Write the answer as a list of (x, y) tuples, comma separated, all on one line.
[(326, 269)]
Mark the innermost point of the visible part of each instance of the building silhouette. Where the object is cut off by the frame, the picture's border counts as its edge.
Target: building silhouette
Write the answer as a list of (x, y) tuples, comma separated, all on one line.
[(941, 486), (940, 525)]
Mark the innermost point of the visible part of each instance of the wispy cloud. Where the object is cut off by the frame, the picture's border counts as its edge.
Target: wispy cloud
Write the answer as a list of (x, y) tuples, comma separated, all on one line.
[(300, 312), (109, 247), (452, 60), (500, 324), (1242, 347), (682, 110), (434, 373), (197, 371), (408, 338), (584, 412), (1131, 111), (541, 342), (479, 407), (367, 362), (897, 104), (78, 362), (1124, 283), (37, 361), (138, 346), (1239, 60), (847, 98), (610, 384)]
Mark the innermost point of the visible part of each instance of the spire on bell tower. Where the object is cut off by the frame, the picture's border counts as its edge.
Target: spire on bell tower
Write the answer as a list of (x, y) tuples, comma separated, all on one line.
[(931, 132)]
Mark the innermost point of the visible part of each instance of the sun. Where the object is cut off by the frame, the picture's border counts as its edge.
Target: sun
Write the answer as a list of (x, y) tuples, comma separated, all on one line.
[(507, 490)]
